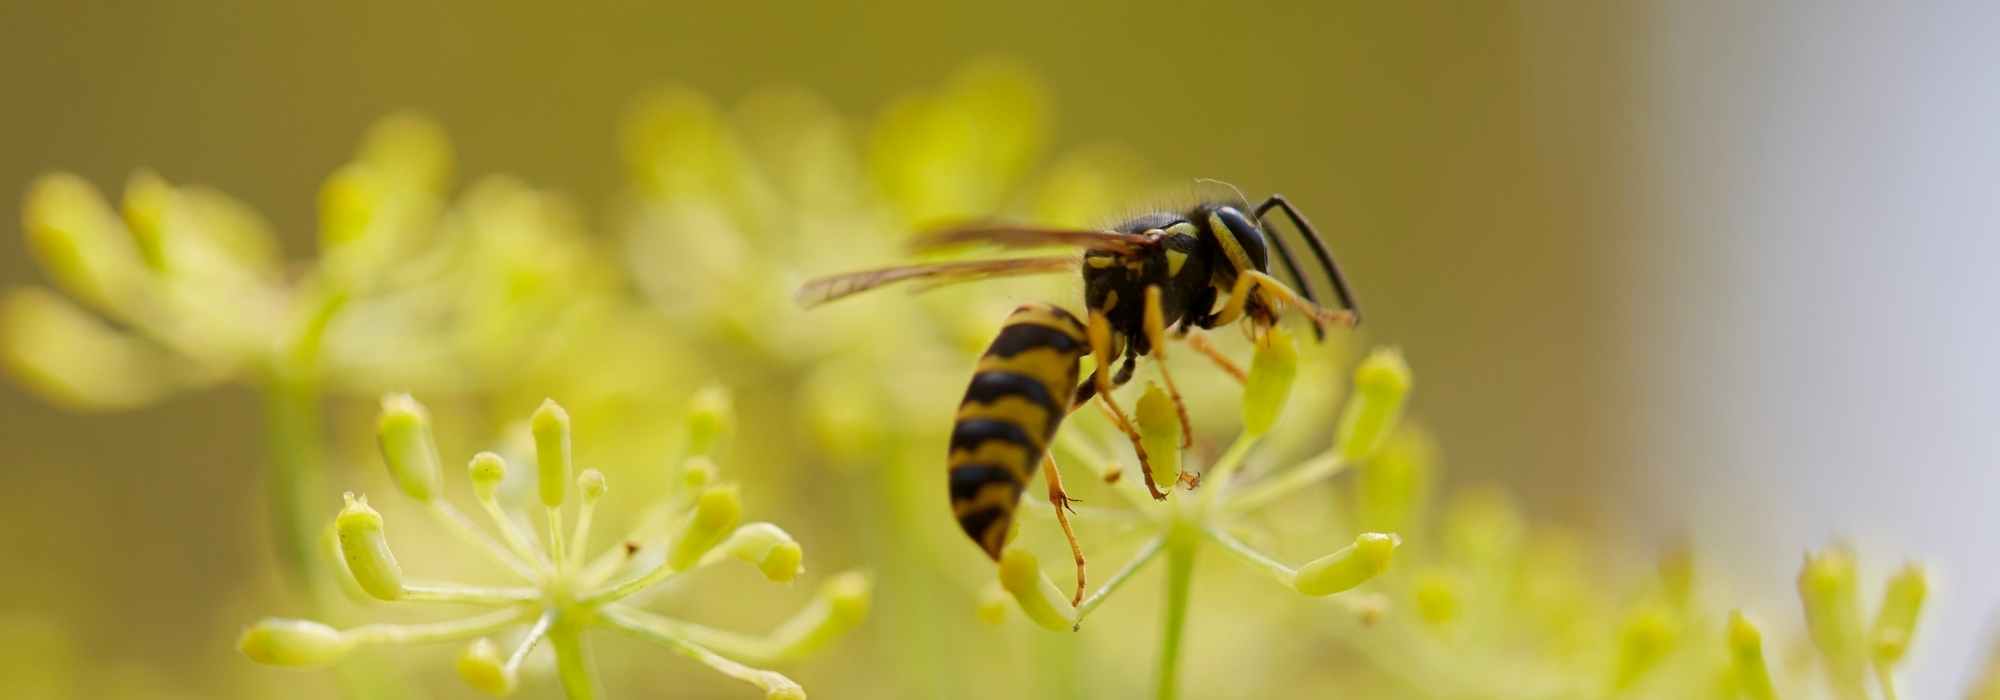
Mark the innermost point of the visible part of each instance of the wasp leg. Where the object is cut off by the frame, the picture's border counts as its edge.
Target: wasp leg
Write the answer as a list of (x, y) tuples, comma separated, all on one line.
[(1239, 296), (1061, 501), (1156, 333), (1200, 343), (1311, 310), (1100, 345)]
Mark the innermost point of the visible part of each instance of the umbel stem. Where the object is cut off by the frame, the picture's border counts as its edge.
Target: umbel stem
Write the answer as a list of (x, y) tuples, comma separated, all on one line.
[(1181, 546), (296, 440)]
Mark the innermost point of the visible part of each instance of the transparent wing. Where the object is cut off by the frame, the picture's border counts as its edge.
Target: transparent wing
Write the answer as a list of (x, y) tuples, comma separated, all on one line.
[(825, 289), (1030, 237)]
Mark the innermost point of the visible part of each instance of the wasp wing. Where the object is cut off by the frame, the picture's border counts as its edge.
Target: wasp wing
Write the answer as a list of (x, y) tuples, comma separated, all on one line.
[(1030, 237), (825, 289)]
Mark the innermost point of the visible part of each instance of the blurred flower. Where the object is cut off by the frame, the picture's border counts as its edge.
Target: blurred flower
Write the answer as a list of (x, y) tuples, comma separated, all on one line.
[(1499, 609), (561, 592), (182, 286)]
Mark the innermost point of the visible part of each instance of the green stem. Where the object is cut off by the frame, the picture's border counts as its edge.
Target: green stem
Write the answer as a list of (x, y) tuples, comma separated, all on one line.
[(296, 440), (574, 667), (1181, 545)]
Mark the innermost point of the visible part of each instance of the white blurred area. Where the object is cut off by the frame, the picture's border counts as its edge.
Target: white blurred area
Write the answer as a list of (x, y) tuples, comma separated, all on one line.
[(1815, 303)]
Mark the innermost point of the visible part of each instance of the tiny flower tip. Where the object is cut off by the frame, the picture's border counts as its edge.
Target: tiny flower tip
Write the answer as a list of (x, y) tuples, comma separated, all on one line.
[(365, 549), (786, 692), (1826, 572), (487, 471), (784, 562), (698, 471), (1744, 637), (482, 667), (1896, 622), (710, 414), (1348, 567), (1645, 640), (1381, 382), (1384, 370), (403, 432), (992, 605), (716, 512), (298, 643), (147, 197), (1268, 386), (1021, 576), (850, 595), (356, 515), (591, 484), (550, 427), (1160, 432), (718, 507)]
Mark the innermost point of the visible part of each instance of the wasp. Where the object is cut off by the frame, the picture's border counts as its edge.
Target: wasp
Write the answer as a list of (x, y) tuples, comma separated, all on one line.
[(1203, 267)]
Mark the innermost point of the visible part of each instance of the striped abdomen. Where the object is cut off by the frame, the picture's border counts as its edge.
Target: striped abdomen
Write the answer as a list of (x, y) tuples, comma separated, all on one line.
[(1017, 399)]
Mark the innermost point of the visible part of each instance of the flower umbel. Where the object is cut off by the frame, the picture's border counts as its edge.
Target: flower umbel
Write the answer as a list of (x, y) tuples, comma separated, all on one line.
[(1217, 515), (561, 593)]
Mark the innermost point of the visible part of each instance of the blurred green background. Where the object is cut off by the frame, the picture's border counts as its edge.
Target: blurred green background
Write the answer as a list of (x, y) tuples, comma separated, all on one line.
[(1463, 159)]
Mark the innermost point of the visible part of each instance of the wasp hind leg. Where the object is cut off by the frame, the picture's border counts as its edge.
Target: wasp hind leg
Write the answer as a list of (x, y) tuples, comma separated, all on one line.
[(1061, 501), (1100, 384)]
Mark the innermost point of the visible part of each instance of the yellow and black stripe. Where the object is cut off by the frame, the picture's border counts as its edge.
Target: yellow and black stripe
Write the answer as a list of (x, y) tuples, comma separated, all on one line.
[(1017, 399)]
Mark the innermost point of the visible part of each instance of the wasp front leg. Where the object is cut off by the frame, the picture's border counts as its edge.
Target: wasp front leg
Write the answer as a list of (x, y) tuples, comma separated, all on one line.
[(1061, 501), (1100, 346)]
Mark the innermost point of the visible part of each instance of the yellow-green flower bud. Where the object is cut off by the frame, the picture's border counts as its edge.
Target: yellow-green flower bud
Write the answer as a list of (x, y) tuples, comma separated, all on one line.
[(1827, 587), (716, 512), (410, 147), (486, 470), (1645, 640), (591, 485), (1437, 598), (482, 667), (1269, 384), (1896, 621), (72, 357), (1160, 432), (1022, 577), (1394, 487), (840, 606), (300, 643), (991, 607), (1381, 382), (77, 238), (147, 200), (1746, 659), (1483, 525), (404, 433), (550, 426), (710, 414), (770, 548), (698, 471), (1347, 567), (349, 202), (366, 550)]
